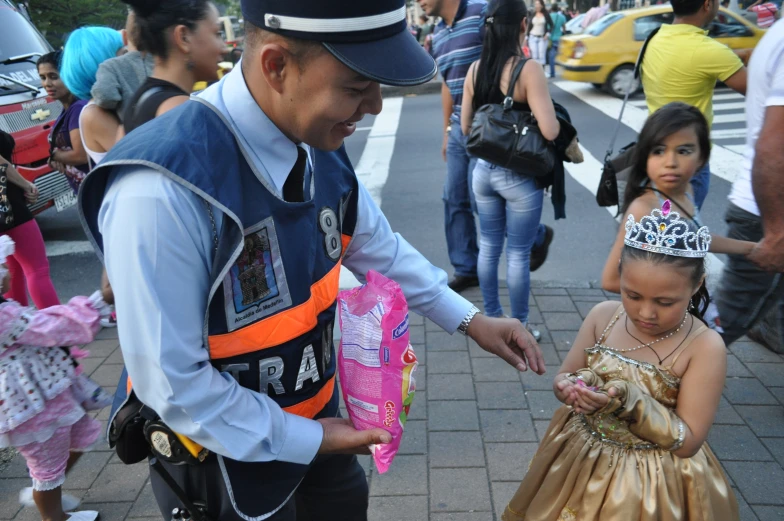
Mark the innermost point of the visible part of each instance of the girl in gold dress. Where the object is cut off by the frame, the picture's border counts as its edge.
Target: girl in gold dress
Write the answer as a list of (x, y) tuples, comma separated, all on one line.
[(640, 388)]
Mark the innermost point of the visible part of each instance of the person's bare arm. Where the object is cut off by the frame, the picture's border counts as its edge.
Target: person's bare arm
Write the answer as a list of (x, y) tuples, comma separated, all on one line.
[(737, 81), (13, 174), (30, 190), (100, 128), (767, 179), (729, 246), (467, 112), (534, 87), (700, 391), (76, 156), (744, 55), (446, 105)]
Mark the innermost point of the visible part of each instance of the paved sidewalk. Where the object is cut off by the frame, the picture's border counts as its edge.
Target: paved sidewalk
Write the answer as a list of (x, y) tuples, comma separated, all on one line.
[(473, 428)]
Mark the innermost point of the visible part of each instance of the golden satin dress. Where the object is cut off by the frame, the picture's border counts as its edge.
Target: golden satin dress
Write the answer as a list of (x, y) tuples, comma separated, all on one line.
[(591, 468)]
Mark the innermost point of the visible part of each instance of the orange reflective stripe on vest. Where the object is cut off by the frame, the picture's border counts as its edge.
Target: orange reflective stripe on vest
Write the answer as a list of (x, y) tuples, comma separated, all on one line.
[(284, 326), (312, 406)]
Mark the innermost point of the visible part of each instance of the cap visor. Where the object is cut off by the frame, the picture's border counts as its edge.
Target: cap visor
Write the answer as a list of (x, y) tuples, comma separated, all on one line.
[(397, 60)]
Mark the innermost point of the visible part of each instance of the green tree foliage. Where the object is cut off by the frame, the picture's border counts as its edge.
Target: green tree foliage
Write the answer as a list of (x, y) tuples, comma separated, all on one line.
[(57, 18)]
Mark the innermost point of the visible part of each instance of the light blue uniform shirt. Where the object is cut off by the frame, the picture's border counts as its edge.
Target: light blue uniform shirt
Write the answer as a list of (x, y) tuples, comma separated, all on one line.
[(158, 241)]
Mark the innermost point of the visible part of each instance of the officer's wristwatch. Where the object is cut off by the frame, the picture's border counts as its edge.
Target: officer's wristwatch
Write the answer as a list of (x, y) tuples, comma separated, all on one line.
[(463, 327)]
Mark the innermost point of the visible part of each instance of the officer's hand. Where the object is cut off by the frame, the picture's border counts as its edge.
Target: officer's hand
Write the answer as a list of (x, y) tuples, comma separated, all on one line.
[(508, 339), (340, 437)]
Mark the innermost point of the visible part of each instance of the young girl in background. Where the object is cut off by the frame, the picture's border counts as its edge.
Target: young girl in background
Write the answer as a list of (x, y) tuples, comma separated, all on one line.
[(43, 395), (640, 388), (674, 144)]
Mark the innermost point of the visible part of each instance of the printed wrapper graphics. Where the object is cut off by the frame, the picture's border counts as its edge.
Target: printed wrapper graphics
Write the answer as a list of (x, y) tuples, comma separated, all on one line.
[(376, 362)]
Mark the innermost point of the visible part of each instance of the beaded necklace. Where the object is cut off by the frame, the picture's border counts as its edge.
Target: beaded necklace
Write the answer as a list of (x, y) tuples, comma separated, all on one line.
[(649, 344)]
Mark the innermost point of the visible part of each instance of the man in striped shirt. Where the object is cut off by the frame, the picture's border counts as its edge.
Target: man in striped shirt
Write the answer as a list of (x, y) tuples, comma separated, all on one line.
[(457, 43)]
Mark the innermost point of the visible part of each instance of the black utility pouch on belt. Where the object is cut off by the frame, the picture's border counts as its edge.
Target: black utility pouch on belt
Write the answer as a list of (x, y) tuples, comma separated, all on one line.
[(126, 431)]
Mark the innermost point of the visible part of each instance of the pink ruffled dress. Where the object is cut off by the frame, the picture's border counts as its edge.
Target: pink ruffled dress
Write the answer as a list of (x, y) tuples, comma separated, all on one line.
[(41, 387)]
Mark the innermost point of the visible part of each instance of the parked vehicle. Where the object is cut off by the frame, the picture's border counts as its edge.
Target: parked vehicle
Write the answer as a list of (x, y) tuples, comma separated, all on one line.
[(232, 32), (25, 111), (605, 53)]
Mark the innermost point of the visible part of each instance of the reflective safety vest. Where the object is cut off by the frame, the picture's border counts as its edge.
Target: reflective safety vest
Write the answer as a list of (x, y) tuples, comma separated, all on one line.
[(275, 274)]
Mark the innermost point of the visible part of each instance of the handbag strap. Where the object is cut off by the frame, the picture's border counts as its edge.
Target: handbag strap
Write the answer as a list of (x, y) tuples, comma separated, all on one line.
[(637, 74), (509, 99)]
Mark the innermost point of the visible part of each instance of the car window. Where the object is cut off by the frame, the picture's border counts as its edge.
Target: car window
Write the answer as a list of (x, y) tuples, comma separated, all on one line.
[(598, 27), (644, 25), (727, 26)]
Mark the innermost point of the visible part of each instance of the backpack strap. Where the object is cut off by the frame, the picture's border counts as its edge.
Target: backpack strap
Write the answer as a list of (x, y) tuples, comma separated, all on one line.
[(637, 73), (144, 98)]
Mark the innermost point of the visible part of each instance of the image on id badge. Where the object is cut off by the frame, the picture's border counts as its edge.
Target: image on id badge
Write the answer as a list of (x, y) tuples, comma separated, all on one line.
[(256, 286)]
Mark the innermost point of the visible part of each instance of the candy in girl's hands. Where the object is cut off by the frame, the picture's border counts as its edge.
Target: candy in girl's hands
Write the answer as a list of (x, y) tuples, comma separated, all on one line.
[(581, 383)]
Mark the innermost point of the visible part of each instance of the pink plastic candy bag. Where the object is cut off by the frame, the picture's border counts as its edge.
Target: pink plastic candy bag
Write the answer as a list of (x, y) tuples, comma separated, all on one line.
[(376, 363)]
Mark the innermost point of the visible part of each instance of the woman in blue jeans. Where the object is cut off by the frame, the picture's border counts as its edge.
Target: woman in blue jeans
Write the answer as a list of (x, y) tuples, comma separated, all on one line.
[(509, 203)]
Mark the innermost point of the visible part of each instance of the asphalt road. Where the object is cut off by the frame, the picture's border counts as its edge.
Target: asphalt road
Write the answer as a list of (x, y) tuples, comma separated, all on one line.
[(411, 194)]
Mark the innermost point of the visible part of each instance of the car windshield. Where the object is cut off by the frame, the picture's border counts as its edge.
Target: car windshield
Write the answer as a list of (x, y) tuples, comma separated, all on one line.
[(598, 27), (18, 38)]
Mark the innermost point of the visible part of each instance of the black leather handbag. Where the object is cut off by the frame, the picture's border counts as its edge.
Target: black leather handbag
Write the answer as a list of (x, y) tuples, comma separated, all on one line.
[(511, 138)]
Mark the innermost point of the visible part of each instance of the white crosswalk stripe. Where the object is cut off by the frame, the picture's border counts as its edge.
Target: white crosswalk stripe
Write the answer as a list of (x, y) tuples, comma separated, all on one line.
[(727, 107)]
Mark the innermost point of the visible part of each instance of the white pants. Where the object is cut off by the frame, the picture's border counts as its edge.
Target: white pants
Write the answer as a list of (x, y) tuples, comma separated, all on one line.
[(538, 45)]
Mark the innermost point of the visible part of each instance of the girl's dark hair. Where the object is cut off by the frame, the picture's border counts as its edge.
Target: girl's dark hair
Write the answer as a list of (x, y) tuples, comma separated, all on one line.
[(666, 121), (7, 146), (51, 58), (701, 299), (502, 41), (154, 17)]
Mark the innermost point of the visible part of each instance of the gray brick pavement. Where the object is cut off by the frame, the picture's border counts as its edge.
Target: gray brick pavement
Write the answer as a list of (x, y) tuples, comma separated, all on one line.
[(474, 427)]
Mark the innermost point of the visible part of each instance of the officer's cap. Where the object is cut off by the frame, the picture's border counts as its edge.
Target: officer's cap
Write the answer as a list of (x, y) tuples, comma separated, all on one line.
[(368, 36)]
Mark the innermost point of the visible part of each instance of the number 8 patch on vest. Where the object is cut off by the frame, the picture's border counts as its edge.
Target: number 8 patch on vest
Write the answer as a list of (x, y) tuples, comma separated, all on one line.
[(376, 361), (256, 286)]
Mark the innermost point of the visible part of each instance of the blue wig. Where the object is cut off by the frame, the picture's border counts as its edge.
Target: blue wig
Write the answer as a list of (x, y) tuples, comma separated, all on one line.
[(85, 50)]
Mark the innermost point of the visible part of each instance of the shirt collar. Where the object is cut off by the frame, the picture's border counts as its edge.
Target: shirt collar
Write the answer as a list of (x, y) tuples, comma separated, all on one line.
[(683, 28), (267, 145), (460, 14)]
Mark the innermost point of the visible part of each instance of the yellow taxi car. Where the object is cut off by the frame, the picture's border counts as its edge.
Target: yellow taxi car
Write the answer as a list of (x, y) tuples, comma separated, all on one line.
[(605, 53)]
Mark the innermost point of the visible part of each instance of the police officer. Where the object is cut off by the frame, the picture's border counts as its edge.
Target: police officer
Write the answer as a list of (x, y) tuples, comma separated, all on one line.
[(224, 224)]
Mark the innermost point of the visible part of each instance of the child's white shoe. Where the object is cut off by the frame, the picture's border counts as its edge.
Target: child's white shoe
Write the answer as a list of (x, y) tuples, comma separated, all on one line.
[(84, 515), (26, 499)]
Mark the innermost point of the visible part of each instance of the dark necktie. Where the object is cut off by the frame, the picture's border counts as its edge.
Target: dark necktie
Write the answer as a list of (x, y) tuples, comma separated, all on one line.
[(293, 187)]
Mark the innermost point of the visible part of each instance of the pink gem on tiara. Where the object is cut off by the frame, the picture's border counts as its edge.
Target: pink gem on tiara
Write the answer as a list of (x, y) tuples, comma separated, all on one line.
[(666, 207)]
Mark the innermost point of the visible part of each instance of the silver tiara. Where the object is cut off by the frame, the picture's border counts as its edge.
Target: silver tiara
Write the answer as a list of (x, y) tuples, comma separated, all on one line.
[(662, 230)]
